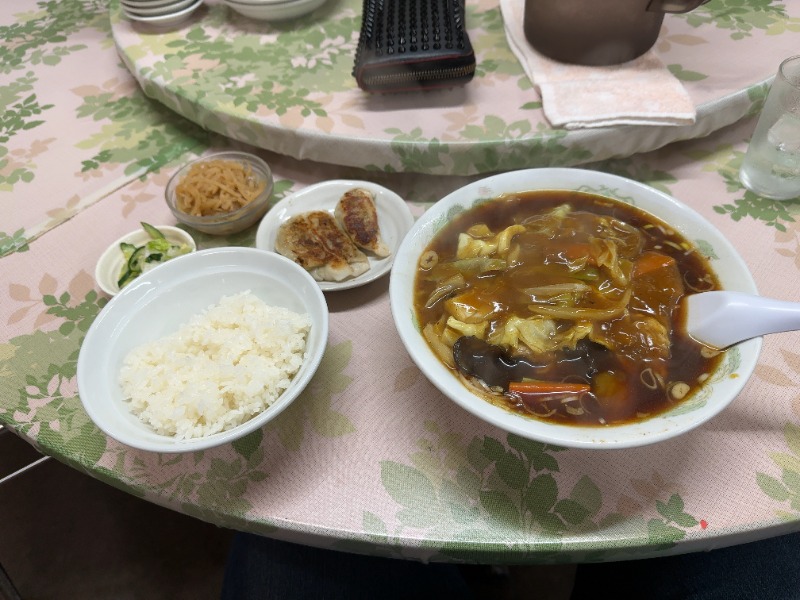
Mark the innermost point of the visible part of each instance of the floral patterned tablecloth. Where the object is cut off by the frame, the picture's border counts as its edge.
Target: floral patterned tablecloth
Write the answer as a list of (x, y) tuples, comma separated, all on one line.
[(371, 457), (288, 87)]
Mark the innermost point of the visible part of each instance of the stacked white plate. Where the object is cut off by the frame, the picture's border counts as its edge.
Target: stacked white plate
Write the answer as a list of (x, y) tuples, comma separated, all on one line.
[(159, 12), (273, 10)]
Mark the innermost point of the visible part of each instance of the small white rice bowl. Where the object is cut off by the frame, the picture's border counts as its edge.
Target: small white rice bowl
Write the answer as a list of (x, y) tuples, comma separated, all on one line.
[(203, 350), (223, 367)]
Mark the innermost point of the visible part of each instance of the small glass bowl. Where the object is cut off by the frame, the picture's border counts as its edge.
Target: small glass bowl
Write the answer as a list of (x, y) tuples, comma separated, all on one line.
[(231, 222)]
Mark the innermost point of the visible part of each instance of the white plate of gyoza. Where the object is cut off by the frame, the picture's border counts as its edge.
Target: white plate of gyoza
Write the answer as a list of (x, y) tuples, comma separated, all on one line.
[(343, 232)]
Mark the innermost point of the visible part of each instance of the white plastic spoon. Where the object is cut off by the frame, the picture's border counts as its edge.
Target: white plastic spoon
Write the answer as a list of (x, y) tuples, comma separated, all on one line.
[(720, 319)]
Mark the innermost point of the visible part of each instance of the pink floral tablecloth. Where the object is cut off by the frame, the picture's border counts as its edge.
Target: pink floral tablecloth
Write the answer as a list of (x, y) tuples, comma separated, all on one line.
[(371, 457), (288, 87)]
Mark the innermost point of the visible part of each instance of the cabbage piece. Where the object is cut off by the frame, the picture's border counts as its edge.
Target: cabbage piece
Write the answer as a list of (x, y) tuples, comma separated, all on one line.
[(481, 230), (479, 265), (569, 293), (470, 247), (549, 223), (639, 337), (477, 330), (573, 335), (658, 292), (578, 313), (606, 253), (539, 334), (628, 239), (445, 288), (442, 350), (472, 306)]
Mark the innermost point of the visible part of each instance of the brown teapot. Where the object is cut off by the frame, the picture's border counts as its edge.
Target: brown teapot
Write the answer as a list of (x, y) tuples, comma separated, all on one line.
[(597, 32)]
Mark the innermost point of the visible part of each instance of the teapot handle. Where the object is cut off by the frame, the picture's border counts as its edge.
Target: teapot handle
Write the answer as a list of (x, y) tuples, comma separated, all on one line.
[(674, 6)]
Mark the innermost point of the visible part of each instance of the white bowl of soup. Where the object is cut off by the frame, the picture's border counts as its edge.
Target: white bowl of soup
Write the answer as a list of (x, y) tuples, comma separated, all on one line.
[(547, 302)]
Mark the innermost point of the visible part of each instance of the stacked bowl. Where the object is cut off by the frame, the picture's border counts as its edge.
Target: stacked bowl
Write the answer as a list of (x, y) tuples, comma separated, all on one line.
[(159, 12), (273, 10)]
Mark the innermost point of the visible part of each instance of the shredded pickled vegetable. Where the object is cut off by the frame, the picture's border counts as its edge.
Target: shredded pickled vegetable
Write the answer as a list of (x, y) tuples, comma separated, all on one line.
[(217, 186)]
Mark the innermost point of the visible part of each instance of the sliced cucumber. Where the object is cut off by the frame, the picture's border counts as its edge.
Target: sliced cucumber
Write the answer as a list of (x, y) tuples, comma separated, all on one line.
[(152, 231), (127, 250), (153, 252)]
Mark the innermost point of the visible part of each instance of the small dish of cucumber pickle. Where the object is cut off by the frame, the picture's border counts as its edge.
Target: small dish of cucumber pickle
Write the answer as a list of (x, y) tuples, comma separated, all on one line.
[(138, 252)]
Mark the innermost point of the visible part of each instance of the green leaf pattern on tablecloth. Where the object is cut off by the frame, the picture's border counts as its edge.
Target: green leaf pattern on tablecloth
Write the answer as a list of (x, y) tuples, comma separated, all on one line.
[(43, 368), (221, 74), (637, 171), (48, 410), (758, 96), (314, 405), (131, 118), (683, 75), (785, 489), (224, 65), (465, 490), (208, 486), (22, 112), (249, 444), (40, 39), (743, 16), (488, 39), (727, 161), (16, 242)]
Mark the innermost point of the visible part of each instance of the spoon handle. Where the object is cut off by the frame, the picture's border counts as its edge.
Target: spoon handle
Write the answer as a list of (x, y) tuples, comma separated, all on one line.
[(724, 318)]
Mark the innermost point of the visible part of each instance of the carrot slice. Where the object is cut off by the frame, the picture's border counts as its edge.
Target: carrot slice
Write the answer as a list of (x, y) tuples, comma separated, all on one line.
[(573, 251), (548, 387), (651, 261)]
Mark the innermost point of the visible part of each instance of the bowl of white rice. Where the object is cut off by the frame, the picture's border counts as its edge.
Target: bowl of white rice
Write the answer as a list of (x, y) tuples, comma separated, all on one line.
[(202, 351)]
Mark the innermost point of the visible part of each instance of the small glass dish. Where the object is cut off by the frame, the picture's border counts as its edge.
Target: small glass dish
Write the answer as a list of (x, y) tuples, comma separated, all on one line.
[(226, 223)]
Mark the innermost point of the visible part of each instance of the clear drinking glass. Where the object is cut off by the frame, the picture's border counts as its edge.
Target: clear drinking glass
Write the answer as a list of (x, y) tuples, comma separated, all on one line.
[(771, 167)]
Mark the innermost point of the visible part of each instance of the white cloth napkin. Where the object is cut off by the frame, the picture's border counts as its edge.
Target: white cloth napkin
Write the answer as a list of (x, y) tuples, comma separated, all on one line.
[(639, 92)]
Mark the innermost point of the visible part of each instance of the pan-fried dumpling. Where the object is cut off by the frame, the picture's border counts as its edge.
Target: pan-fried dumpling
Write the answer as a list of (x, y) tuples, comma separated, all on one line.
[(358, 217), (315, 242)]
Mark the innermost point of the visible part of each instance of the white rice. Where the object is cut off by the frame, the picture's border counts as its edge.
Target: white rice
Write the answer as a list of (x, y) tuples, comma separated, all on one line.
[(223, 367)]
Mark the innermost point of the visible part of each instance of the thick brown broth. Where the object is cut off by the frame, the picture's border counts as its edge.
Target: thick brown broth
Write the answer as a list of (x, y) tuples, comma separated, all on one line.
[(630, 366)]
